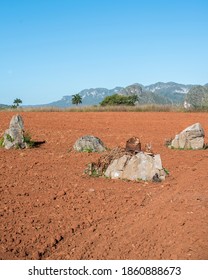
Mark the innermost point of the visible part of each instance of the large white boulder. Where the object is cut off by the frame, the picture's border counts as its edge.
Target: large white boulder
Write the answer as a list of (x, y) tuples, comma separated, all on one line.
[(137, 167), (190, 138)]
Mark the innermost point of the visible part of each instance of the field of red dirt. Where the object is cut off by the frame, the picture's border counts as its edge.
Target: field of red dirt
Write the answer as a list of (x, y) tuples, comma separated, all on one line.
[(50, 209)]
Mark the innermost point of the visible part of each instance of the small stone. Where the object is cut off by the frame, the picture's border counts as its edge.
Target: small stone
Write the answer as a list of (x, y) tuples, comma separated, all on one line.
[(156, 178), (61, 193)]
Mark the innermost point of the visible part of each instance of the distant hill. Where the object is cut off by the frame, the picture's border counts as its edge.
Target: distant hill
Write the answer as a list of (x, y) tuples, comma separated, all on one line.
[(135, 89), (173, 91), (144, 96), (158, 93), (2, 106), (92, 96), (197, 97)]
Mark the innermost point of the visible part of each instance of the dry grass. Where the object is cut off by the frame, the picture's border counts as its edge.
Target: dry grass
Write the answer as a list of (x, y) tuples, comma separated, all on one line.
[(97, 108)]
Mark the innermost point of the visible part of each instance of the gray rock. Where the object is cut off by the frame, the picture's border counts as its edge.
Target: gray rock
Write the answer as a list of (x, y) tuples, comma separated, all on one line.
[(117, 166), (14, 135), (137, 167), (156, 178), (190, 138), (89, 143)]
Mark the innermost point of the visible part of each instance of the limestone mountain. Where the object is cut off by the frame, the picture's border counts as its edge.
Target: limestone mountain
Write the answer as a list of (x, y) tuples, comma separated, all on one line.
[(135, 89), (159, 93), (144, 96), (197, 97), (173, 91), (92, 96)]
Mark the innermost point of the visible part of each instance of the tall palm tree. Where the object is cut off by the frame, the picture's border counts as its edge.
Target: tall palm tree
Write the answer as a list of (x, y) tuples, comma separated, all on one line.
[(76, 99), (16, 102)]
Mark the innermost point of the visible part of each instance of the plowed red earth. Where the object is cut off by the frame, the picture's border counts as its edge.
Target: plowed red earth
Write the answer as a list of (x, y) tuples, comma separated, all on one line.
[(50, 209)]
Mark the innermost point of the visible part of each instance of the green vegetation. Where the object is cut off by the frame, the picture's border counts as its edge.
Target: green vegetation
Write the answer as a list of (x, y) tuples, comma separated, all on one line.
[(17, 146), (87, 150), (1, 142), (9, 138), (166, 171), (117, 99), (94, 173), (76, 99), (91, 170), (27, 140), (16, 103)]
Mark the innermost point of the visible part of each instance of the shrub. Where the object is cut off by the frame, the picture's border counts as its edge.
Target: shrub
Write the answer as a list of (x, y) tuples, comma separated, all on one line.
[(9, 138), (2, 142), (27, 140), (117, 99)]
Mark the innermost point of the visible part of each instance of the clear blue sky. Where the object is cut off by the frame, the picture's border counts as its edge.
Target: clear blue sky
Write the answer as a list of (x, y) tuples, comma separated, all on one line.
[(51, 48)]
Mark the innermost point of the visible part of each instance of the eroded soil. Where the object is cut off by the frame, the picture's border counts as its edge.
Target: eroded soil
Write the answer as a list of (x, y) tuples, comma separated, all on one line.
[(50, 209)]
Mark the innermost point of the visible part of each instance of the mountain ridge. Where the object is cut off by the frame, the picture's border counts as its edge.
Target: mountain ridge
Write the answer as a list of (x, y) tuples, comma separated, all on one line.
[(158, 93)]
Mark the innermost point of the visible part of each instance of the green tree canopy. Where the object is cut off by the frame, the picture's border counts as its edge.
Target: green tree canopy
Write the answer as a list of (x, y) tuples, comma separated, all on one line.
[(16, 102), (117, 99), (76, 99)]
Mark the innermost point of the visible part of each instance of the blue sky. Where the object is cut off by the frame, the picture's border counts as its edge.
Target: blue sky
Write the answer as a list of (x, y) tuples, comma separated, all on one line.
[(51, 48)]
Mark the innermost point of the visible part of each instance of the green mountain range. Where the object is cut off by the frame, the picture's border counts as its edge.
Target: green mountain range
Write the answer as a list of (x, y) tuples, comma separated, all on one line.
[(158, 93)]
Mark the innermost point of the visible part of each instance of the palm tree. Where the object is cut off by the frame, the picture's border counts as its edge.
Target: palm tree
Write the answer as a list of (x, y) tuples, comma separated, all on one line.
[(76, 99), (16, 102)]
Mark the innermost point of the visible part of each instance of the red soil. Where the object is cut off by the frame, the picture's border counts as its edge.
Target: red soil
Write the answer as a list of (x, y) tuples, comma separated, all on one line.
[(50, 210)]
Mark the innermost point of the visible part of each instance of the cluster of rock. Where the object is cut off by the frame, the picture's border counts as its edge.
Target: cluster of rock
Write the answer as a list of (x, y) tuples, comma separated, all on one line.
[(129, 163), (132, 163), (190, 138), (140, 166), (14, 136)]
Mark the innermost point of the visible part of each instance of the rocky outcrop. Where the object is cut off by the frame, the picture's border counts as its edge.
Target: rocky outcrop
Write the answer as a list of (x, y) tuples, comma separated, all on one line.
[(89, 143), (197, 97), (190, 138), (136, 167), (14, 135), (120, 163)]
